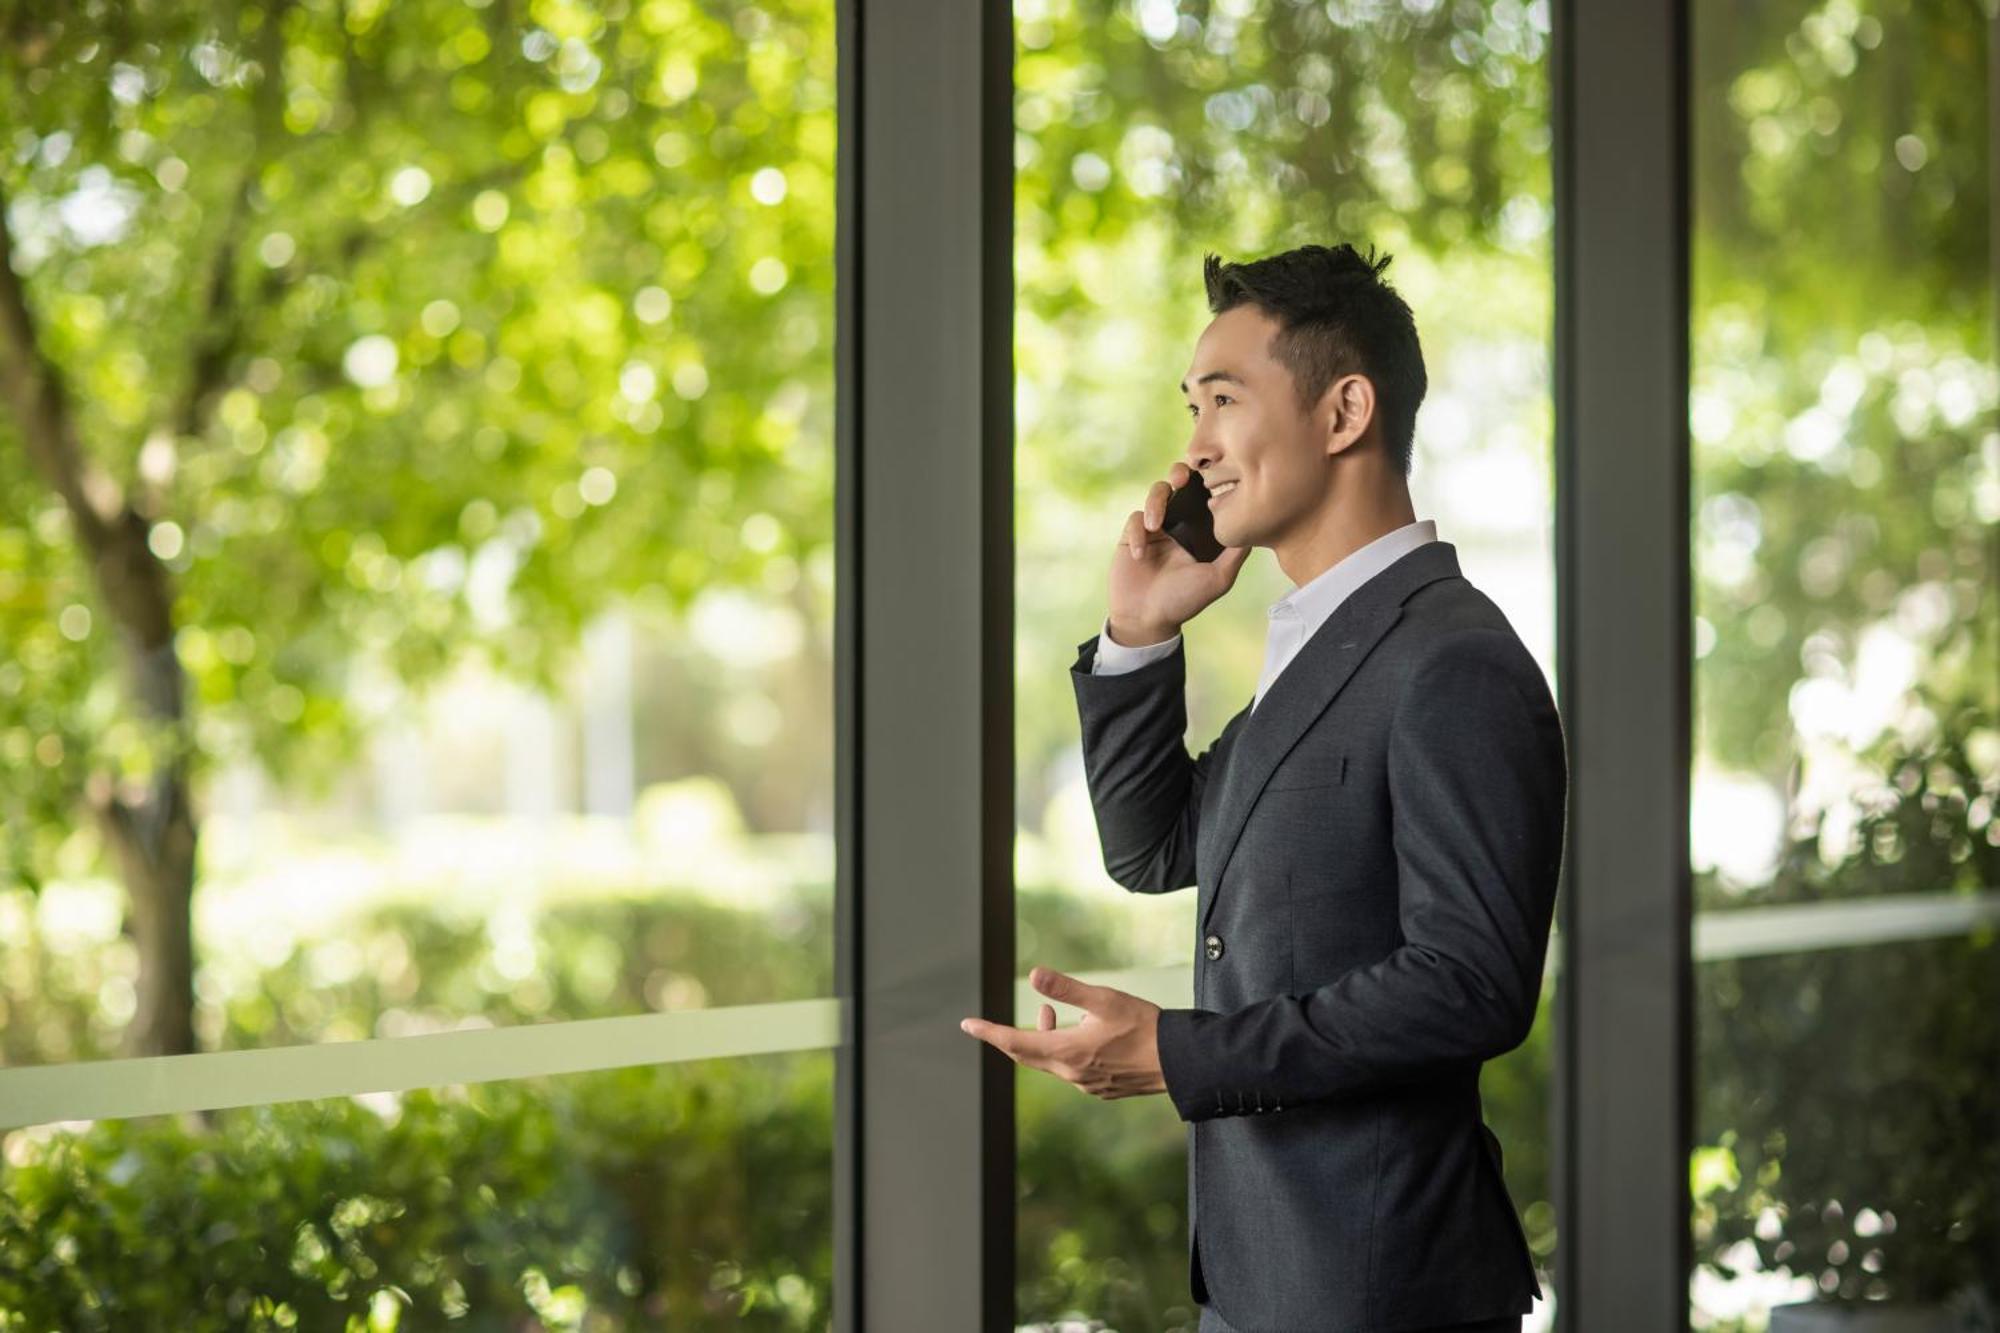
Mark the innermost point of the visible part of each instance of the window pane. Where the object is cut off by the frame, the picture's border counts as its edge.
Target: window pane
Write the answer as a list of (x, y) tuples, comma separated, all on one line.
[(1847, 654), (696, 1195), (1145, 138), (1846, 1110), (471, 394), (1844, 487)]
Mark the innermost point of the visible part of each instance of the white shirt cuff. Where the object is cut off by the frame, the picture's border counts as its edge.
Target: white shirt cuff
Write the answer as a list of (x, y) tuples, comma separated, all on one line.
[(1114, 658)]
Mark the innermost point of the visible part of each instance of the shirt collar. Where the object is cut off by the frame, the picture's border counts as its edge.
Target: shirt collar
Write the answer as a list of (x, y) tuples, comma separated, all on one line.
[(1316, 599)]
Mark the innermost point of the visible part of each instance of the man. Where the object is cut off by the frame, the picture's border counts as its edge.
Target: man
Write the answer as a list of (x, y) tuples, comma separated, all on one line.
[(1375, 838)]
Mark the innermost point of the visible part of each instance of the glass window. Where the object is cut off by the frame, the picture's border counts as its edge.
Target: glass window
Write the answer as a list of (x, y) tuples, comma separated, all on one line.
[(1145, 137), (1847, 663), (417, 611), (696, 1195), (454, 382), (1847, 1099)]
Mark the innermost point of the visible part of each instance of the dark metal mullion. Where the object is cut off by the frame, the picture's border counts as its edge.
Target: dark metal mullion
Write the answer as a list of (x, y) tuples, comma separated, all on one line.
[(1624, 1061), (998, 963), (924, 726), (850, 1205)]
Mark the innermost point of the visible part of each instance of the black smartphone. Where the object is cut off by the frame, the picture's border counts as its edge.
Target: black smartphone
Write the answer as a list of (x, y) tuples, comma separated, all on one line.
[(1189, 522)]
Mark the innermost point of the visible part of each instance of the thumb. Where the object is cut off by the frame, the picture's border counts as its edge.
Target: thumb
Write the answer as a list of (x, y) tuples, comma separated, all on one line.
[(1232, 559)]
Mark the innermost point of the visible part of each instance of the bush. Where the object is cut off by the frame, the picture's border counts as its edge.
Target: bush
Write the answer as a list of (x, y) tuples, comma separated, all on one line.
[(1848, 1100), (700, 1191)]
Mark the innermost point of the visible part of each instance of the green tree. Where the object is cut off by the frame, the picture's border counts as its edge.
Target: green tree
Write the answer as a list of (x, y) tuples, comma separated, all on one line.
[(342, 334), (1843, 316), (1843, 391)]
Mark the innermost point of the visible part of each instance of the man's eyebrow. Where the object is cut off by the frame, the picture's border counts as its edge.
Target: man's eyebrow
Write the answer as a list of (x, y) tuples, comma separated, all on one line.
[(1216, 375)]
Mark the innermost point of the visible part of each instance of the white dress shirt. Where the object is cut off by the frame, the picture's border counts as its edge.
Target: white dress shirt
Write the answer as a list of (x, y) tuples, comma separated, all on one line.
[(1294, 616)]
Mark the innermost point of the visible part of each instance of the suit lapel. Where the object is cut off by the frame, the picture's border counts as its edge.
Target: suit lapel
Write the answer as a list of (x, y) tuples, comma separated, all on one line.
[(1302, 691)]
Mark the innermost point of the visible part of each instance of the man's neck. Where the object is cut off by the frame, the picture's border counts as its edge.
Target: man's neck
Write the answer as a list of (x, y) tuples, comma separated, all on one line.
[(1341, 533)]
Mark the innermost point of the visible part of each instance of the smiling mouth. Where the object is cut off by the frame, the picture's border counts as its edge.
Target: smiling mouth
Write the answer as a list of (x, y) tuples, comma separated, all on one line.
[(1216, 494)]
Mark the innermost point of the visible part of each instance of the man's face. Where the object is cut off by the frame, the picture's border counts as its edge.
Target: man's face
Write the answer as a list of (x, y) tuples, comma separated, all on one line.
[(1247, 429)]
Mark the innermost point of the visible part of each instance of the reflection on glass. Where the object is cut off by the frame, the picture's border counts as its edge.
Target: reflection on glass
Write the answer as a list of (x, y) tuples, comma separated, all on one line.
[(470, 390), (1145, 136), (690, 1196), (1847, 640)]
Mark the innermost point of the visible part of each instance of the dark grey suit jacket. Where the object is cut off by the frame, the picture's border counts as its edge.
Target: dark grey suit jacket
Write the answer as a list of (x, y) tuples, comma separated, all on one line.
[(1376, 850)]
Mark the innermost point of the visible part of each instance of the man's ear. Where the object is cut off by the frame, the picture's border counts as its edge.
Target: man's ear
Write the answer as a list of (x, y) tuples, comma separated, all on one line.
[(1352, 402)]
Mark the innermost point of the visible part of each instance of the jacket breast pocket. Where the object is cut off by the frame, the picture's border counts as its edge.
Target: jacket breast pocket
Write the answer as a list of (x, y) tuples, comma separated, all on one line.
[(1303, 770)]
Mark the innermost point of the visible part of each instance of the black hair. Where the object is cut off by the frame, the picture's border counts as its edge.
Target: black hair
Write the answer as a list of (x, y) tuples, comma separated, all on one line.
[(1337, 317)]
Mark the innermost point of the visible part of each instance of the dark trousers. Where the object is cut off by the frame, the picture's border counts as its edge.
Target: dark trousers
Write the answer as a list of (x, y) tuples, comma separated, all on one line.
[(1211, 1322)]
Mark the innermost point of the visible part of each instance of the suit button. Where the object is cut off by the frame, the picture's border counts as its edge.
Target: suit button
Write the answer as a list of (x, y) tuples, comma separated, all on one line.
[(1214, 943)]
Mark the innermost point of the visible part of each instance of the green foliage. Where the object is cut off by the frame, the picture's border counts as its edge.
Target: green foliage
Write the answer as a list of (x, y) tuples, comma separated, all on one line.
[(1101, 1194), (1844, 1080), (406, 967), (1842, 339), (413, 315), (1841, 171), (1873, 1153), (698, 1194), (1843, 393), (680, 1189), (1923, 817), (409, 319)]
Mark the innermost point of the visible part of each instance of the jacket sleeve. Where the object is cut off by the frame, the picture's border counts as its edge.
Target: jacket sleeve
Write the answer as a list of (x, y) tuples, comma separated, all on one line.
[(1478, 784), (1145, 790)]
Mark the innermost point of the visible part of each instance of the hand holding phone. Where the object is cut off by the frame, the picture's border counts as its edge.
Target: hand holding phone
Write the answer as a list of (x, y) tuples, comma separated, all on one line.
[(1170, 564)]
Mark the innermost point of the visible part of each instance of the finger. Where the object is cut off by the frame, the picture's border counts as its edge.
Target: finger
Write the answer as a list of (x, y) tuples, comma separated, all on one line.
[(1135, 537), (1060, 986), (997, 1035), (1157, 496), (1178, 474), (1046, 1019), (1034, 1049)]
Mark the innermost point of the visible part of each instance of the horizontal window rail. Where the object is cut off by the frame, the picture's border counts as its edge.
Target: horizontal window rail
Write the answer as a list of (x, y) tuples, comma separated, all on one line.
[(162, 1085)]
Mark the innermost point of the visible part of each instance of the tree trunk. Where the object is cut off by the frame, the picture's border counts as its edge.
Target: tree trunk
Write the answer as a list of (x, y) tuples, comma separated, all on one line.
[(149, 825), (157, 860)]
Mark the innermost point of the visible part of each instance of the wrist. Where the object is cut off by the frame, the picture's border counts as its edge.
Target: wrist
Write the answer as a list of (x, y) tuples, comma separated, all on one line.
[(1129, 634)]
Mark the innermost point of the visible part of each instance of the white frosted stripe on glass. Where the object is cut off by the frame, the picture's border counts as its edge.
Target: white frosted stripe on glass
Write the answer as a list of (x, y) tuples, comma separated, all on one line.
[(1748, 932), (116, 1089)]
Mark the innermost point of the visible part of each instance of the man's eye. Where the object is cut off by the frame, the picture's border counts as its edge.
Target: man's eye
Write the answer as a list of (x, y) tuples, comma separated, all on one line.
[(1222, 398)]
